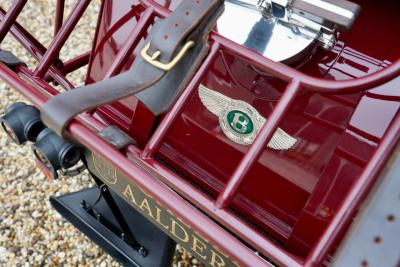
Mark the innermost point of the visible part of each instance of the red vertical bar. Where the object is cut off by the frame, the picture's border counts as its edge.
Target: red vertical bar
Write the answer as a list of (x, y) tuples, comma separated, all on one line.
[(356, 195), (76, 63), (60, 38), (259, 145), (32, 45), (10, 17), (158, 137), (134, 38), (59, 16), (163, 11)]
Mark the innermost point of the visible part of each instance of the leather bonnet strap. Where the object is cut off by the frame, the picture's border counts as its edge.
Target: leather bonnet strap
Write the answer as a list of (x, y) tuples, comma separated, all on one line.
[(170, 40)]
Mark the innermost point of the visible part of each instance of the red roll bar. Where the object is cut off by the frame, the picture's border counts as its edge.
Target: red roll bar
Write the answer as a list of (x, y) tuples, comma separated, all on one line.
[(81, 129)]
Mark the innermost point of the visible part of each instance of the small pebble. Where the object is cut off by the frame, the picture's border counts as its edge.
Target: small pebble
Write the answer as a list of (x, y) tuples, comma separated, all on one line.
[(36, 214)]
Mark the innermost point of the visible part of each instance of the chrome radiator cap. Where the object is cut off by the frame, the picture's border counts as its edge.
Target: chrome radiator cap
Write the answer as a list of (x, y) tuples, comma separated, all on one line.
[(284, 30)]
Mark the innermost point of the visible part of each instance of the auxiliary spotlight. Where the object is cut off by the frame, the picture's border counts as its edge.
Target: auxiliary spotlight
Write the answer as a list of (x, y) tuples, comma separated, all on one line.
[(22, 122), (55, 153)]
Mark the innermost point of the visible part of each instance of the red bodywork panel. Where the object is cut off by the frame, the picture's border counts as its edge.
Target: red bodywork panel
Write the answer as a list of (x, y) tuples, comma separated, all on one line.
[(293, 206), (289, 194)]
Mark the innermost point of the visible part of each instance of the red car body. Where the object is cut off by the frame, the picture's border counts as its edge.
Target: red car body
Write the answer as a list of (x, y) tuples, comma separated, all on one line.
[(291, 205), (337, 133)]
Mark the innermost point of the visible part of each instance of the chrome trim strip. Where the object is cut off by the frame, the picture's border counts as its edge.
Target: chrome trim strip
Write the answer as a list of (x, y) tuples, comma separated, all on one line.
[(330, 7)]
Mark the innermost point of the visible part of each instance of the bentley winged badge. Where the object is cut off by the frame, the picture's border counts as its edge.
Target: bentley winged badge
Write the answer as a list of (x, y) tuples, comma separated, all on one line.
[(240, 121)]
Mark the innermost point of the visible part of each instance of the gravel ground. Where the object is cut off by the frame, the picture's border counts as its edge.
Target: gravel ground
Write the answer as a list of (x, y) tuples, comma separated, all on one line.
[(32, 233)]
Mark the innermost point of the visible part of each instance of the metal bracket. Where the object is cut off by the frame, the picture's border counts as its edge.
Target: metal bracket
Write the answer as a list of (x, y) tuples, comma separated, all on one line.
[(116, 137), (127, 234), (99, 224)]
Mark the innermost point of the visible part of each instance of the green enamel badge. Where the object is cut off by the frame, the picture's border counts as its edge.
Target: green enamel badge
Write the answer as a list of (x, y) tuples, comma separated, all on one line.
[(239, 121)]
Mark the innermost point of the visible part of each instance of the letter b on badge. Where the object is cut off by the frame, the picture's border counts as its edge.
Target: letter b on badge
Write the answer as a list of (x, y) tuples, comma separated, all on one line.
[(240, 122)]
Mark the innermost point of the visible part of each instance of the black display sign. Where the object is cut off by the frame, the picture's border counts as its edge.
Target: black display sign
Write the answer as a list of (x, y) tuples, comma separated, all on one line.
[(163, 218)]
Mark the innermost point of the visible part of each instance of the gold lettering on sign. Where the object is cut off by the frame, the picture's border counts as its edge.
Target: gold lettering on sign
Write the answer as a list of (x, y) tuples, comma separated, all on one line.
[(216, 260), (165, 219), (146, 207), (181, 230), (198, 246), (158, 218), (129, 194)]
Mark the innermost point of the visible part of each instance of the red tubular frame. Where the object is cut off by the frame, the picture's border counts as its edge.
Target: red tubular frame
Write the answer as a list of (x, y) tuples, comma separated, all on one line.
[(82, 130), (89, 139), (58, 21), (76, 63), (137, 32), (258, 146), (60, 39), (8, 19), (356, 194)]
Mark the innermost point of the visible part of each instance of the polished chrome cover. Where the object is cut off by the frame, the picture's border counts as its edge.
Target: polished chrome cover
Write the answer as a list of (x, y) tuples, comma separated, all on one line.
[(278, 40), (284, 30)]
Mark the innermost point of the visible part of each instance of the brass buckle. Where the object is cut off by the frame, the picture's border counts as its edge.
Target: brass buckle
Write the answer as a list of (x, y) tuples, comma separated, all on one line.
[(164, 66)]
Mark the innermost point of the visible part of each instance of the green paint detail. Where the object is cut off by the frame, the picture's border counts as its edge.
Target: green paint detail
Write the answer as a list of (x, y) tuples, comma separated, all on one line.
[(240, 122)]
